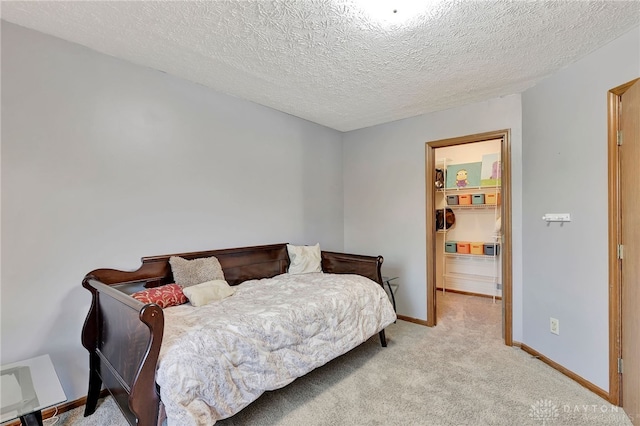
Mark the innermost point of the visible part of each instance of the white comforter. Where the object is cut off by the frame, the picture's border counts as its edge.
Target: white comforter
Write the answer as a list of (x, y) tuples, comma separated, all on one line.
[(218, 358)]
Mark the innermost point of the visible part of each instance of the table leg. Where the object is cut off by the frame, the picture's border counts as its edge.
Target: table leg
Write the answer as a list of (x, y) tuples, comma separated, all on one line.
[(393, 297), (32, 419)]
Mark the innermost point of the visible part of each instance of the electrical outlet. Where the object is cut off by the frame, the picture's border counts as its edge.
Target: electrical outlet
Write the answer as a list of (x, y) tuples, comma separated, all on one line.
[(554, 326)]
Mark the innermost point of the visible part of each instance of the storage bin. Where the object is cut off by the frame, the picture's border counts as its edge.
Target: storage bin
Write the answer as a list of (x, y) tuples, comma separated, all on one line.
[(450, 247), (463, 248), (477, 248), (491, 249), (477, 199), (464, 199), (492, 198), (452, 200)]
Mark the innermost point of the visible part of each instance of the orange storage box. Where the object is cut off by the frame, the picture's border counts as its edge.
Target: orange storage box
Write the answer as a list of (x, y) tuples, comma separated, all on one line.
[(477, 248), (464, 248), (492, 198), (464, 199)]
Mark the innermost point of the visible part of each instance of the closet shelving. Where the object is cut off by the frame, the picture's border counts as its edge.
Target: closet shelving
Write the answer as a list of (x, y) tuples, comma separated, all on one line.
[(481, 257), (478, 272)]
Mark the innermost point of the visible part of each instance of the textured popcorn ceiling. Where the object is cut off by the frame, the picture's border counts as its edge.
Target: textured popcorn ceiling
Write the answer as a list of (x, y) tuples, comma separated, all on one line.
[(328, 61)]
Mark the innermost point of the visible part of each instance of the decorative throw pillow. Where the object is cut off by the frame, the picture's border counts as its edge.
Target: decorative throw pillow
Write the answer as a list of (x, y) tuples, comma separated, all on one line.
[(163, 296), (304, 259), (201, 294), (196, 271)]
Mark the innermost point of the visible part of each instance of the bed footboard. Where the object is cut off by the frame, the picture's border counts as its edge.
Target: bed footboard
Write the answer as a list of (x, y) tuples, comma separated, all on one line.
[(123, 338), (367, 266), (343, 263)]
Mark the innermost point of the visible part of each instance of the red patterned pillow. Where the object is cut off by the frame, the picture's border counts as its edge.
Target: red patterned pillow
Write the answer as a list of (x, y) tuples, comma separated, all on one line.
[(163, 296)]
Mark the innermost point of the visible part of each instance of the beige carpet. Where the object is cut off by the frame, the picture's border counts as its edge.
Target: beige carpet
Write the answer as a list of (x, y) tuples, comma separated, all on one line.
[(458, 373)]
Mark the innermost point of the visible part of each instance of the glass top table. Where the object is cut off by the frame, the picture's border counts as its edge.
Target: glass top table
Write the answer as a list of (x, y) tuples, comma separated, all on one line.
[(388, 280), (27, 388)]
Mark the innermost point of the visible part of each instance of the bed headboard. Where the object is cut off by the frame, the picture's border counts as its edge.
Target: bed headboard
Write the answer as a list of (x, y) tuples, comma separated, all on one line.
[(239, 264)]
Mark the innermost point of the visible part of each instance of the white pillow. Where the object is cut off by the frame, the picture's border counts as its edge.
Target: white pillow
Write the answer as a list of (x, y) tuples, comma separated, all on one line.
[(201, 294), (304, 259)]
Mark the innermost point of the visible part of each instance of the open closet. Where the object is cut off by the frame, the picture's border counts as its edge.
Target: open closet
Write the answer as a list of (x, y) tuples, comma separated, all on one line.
[(468, 213), (468, 219)]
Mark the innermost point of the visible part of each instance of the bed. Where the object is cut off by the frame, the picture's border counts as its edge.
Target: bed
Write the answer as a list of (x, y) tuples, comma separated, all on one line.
[(142, 354)]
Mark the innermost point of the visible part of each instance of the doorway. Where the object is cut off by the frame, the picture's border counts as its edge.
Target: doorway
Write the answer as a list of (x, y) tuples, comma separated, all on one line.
[(624, 247), (505, 214)]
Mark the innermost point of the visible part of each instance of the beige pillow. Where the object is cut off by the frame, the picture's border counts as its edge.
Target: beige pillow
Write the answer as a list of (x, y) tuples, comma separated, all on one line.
[(191, 272), (201, 294), (304, 259)]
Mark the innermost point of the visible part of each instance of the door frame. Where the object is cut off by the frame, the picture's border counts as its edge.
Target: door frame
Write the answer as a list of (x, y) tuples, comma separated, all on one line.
[(505, 214), (614, 98)]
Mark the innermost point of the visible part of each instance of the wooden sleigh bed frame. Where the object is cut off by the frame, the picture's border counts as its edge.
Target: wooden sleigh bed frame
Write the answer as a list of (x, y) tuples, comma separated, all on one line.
[(123, 335)]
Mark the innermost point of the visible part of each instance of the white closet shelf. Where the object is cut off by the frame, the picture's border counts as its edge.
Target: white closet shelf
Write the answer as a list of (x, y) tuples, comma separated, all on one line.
[(472, 277), (471, 206), (469, 188), (472, 256)]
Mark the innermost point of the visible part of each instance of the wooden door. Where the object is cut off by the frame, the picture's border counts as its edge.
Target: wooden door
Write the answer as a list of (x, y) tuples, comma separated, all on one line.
[(629, 157)]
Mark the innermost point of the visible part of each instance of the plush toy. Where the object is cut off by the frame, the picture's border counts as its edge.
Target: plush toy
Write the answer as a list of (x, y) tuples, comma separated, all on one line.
[(439, 178)]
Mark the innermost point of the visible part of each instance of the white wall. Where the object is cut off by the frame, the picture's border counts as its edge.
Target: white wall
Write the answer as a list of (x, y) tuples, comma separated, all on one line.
[(565, 171), (384, 190), (104, 162)]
